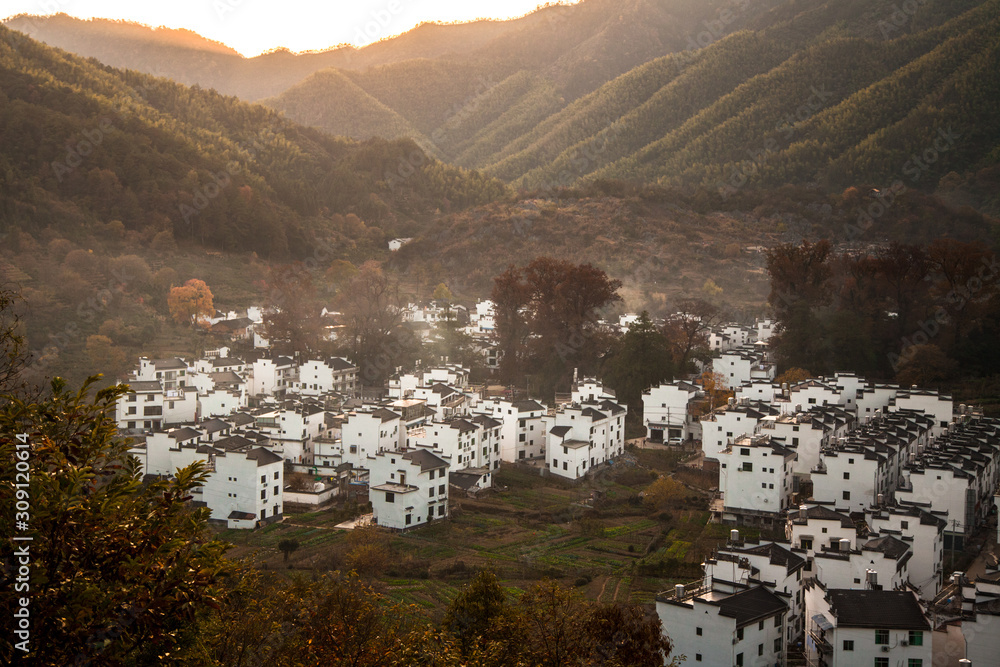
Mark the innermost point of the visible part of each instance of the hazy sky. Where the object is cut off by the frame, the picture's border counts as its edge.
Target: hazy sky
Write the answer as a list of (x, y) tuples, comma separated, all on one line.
[(254, 26)]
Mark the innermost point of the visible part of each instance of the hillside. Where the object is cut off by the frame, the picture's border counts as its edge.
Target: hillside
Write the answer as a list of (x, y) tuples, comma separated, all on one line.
[(86, 145)]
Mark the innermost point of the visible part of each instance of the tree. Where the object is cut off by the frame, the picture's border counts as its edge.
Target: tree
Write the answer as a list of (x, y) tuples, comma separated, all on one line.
[(371, 314), (638, 360), (190, 301), (480, 612), (12, 357), (687, 331), (792, 376), (121, 572), (442, 293), (340, 273), (662, 491), (292, 317), (105, 356), (546, 315), (716, 391), (287, 547)]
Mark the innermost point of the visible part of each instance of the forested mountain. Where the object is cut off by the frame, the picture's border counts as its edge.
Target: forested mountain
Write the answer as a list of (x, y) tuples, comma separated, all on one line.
[(721, 94), (85, 144)]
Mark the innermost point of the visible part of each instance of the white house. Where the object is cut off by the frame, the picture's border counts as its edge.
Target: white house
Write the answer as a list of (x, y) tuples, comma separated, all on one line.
[(142, 407), (267, 376), (461, 441), (666, 411), (522, 431), (741, 365), (368, 432), (776, 565), (727, 423), (717, 628), (878, 562), (861, 628), (812, 527), (321, 376), (981, 616), (408, 487), (924, 532), (755, 478)]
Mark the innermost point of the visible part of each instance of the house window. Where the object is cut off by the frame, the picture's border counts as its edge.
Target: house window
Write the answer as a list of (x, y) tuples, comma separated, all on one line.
[(431, 490), (521, 437), (697, 657), (848, 644), (263, 479), (881, 662), (847, 495), (747, 466), (847, 475), (440, 510), (276, 475), (904, 525), (807, 544), (697, 631), (777, 645), (441, 489), (739, 634), (914, 662), (275, 492), (916, 638), (408, 519), (881, 636), (131, 410), (777, 621), (760, 649), (263, 494), (390, 497), (739, 659), (744, 451)]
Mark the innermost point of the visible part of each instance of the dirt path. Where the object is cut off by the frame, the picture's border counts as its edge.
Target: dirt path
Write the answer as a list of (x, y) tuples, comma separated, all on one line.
[(614, 598), (600, 595)]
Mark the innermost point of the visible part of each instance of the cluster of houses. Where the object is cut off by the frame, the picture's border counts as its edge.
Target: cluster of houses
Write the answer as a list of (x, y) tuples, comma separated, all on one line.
[(252, 421), (872, 485)]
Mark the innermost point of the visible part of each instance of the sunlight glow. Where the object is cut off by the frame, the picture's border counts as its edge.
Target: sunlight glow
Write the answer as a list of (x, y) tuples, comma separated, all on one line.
[(255, 26)]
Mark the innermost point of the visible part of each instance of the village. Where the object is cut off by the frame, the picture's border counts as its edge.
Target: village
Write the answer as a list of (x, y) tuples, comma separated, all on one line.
[(849, 506)]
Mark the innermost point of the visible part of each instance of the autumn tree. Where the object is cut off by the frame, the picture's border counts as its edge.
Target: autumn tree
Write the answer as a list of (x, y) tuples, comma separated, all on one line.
[(105, 357), (546, 315), (687, 331), (190, 302), (292, 314), (371, 313)]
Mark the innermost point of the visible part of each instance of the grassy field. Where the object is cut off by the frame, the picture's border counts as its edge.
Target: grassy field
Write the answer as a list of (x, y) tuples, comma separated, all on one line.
[(608, 544)]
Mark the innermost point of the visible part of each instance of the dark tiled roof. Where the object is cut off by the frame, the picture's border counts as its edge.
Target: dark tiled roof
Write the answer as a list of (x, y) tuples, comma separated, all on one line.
[(751, 606), (612, 407), (820, 512), (877, 609), (145, 385), (340, 364), (560, 431), (425, 459), (185, 433), (263, 456), (214, 425), (174, 364), (233, 443), (778, 555), (889, 545), (528, 406), (486, 422), (245, 516), (385, 415), (463, 426)]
